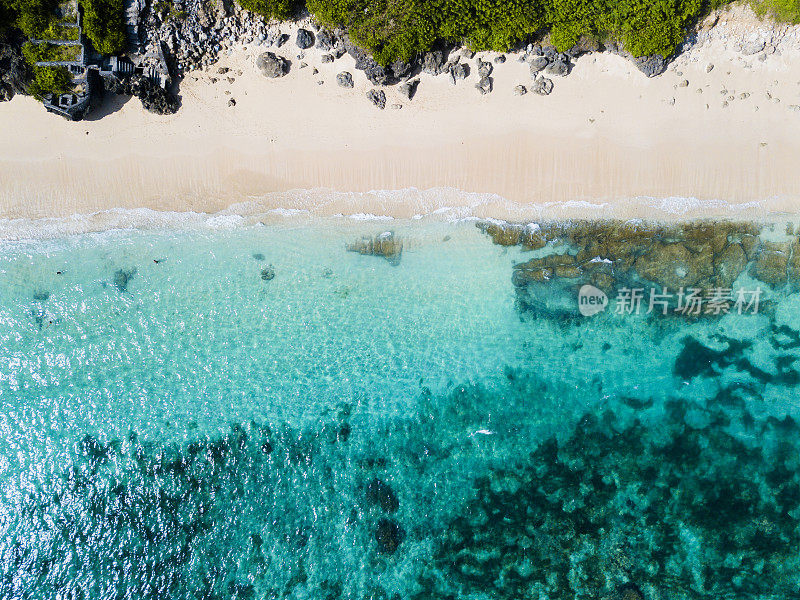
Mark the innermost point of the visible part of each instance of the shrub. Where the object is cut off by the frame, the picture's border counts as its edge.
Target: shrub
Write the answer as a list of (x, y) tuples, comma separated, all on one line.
[(104, 25), (782, 10), (50, 80), (272, 9)]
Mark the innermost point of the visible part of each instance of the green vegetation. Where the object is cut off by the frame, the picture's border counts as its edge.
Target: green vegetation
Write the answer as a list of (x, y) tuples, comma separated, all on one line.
[(272, 9), (782, 10), (33, 17), (401, 28), (50, 80), (46, 52), (104, 25)]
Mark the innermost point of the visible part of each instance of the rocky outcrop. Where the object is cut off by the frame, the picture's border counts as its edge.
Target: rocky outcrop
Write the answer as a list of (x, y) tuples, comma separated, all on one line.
[(154, 98), (14, 70), (375, 73), (433, 62), (271, 65), (703, 256), (385, 245)]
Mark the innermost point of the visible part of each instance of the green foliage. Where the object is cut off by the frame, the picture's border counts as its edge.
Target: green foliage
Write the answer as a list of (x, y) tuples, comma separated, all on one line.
[(33, 16), (104, 25), (50, 80), (272, 9), (401, 28), (7, 16), (783, 10)]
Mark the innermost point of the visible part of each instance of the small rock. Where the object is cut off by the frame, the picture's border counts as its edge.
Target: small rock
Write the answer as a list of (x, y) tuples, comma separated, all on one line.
[(520, 90), (397, 106), (231, 102), (684, 83), (377, 97), (709, 68), (327, 58), (499, 60), (344, 79)]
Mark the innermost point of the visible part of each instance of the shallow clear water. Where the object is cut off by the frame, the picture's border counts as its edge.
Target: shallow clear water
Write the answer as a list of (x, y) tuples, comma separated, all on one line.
[(176, 423)]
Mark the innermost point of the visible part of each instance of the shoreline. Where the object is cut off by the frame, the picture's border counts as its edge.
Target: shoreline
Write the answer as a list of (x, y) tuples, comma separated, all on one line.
[(607, 135)]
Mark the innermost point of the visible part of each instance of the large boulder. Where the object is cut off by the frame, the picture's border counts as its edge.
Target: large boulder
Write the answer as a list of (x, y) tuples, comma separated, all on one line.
[(271, 65), (385, 245), (325, 40), (305, 39), (458, 72)]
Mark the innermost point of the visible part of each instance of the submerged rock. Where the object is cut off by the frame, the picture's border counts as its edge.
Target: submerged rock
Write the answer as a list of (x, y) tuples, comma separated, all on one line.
[(122, 278), (268, 273), (381, 494), (389, 535), (385, 245)]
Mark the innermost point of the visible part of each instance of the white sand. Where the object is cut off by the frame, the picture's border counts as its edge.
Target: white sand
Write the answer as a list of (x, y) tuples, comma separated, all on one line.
[(607, 141)]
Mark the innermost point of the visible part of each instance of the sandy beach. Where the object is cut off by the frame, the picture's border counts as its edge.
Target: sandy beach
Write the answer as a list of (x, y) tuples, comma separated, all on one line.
[(607, 141)]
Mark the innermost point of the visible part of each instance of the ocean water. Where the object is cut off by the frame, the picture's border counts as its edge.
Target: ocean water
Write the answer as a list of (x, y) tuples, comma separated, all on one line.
[(255, 412)]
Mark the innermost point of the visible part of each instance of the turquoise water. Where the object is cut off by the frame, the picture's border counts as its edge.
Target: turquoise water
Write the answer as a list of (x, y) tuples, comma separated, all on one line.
[(258, 413)]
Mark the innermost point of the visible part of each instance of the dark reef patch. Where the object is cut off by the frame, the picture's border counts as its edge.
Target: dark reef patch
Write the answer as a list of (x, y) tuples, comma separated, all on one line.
[(122, 277)]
